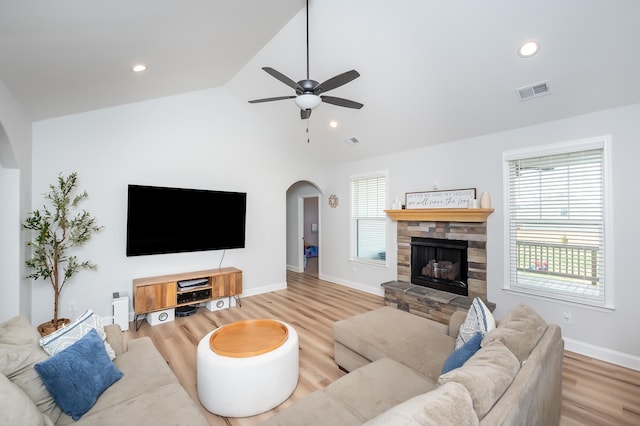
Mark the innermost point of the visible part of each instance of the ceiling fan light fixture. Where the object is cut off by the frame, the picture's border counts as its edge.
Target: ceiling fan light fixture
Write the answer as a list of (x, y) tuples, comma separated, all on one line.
[(308, 101)]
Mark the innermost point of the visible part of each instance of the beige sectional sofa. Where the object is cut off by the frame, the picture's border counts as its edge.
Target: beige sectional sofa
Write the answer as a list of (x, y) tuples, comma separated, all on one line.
[(147, 394), (395, 361)]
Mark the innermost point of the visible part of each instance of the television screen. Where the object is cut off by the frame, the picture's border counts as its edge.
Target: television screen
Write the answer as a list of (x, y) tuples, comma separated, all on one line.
[(173, 220)]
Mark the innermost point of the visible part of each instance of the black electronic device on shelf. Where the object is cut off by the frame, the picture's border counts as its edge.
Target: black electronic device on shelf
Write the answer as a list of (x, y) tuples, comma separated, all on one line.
[(194, 296)]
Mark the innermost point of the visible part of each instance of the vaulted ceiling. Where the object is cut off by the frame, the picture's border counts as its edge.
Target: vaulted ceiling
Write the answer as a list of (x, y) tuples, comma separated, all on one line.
[(432, 71), (67, 56)]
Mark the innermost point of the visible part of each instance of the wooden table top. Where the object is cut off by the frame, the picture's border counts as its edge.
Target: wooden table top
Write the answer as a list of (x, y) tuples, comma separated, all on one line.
[(248, 338)]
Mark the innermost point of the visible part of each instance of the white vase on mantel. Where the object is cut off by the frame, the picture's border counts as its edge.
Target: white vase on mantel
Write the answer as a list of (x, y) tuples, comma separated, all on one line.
[(485, 200)]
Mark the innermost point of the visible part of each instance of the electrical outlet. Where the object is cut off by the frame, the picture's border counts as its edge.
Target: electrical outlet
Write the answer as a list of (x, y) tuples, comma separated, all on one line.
[(566, 317)]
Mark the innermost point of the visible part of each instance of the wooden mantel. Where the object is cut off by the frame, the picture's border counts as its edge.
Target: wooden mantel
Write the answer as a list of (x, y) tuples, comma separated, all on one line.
[(441, 215)]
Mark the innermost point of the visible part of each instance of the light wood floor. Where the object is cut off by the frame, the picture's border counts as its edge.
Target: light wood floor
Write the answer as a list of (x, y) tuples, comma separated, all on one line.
[(594, 392)]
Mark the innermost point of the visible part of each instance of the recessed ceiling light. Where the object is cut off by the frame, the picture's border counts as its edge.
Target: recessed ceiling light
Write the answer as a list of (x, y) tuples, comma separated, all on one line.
[(333, 123), (138, 68), (529, 49)]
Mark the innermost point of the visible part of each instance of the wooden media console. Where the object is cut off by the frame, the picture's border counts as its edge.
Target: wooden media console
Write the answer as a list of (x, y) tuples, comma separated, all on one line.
[(162, 292)]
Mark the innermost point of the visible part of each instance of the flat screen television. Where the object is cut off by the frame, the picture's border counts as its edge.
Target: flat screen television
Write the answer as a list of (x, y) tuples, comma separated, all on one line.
[(173, 220)]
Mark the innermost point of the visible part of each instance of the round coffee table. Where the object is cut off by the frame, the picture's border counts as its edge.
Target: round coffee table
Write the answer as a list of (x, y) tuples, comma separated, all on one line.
[(247, 367)]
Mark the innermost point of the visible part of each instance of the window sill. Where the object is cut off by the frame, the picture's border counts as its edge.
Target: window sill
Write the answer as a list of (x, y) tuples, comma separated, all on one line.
[(369, 262), (560, 298)]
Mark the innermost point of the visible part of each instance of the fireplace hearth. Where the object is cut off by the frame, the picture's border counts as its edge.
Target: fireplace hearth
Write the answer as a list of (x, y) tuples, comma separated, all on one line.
[(440, 264)]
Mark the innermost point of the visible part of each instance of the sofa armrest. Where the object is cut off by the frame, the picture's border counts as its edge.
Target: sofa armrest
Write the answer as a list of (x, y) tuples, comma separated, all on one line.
[(457, 318), (114, 338)]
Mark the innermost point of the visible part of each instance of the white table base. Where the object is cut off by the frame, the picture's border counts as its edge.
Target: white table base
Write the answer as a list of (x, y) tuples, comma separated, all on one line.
[(241, 387)]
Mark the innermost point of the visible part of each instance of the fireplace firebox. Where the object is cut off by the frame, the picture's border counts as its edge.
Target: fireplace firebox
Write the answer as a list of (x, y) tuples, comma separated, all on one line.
[(440, 264)]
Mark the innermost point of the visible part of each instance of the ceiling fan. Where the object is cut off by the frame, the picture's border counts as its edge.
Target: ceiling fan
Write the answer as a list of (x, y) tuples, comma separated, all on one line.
[(308, 92)]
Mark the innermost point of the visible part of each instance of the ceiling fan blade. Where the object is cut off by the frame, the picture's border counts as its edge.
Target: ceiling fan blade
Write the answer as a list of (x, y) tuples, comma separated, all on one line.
[(305, 113), (336, 81), (278, 98), (283, 78), (341, 102)]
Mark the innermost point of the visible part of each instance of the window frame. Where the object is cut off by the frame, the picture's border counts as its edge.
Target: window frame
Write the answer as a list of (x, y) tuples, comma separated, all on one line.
[(599, 142), (352, 220)]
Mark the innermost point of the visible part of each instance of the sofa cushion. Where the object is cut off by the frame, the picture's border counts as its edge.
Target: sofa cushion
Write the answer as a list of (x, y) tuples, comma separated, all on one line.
[(486, 375), (479, 320), (449, 404), (346, 358), (114, 338), (19, 351), (462, 354), (415, 341), (455, 321), (17, 407), (71, 333), (77, 375), (143, 370), (520, 331), (376, 387), (316, 408), (145, 373), (165, 405)]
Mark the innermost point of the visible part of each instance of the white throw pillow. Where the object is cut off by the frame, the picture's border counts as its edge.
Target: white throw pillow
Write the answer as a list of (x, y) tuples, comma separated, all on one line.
[(69, 334), (479, 319)]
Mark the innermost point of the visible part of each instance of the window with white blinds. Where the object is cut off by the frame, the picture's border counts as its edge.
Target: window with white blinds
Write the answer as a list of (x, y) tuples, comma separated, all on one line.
[(368, 219), (555, 223)]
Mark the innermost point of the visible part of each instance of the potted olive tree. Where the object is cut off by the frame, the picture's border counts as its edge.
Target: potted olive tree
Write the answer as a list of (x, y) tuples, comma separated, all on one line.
[(56, 230)]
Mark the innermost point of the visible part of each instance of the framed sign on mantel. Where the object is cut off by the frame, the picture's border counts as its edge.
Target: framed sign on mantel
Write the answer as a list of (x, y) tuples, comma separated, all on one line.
[(449, 199)]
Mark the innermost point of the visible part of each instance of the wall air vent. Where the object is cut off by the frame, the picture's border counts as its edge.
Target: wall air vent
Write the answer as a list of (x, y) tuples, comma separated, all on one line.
[(533, 91)]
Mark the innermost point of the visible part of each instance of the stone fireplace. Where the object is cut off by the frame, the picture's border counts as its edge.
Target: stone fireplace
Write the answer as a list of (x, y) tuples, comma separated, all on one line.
[(453, 227)]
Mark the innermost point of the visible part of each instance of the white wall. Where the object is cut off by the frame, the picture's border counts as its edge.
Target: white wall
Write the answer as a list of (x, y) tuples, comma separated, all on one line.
[(208, 140), (10, 231), (15, 202), (477, 162)]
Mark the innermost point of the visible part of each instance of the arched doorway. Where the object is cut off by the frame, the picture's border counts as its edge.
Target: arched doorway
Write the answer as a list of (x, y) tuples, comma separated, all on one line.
[(303, 228)]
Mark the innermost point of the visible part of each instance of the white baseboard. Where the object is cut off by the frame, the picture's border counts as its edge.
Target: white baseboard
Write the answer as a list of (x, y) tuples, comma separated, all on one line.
[(603, 354), (264, 289), (293, 268), (377, 291)]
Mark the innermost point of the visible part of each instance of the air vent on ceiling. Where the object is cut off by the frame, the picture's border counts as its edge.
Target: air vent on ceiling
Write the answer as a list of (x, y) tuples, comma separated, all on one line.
[(533, 91), (351, 141)]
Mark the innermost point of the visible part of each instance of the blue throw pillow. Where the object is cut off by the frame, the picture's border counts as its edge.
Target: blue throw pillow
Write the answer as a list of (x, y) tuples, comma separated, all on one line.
[(462, 354), (77, 375)]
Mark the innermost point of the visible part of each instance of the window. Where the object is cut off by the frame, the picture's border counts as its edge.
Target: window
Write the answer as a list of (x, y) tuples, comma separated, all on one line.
[(368, 219), (556, 221)]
